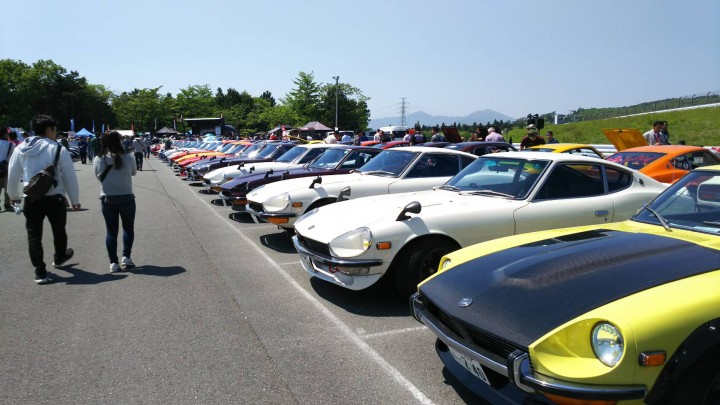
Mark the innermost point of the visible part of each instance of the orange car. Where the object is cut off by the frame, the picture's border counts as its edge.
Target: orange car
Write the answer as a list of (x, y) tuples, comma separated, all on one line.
[(665, 163)]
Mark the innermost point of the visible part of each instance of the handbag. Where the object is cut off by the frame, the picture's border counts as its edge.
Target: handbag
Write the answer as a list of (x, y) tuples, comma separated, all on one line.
[(43, 181)]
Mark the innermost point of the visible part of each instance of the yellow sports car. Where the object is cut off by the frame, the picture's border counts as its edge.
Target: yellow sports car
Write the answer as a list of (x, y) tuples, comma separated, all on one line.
[(571, 148), (625, 313)]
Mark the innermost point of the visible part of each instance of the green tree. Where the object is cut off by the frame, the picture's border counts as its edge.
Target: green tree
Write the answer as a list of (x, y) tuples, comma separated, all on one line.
[(304, 98)]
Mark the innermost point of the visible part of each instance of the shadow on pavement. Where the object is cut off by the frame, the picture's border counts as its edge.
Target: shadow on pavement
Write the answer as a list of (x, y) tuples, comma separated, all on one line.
[(279, 242), (380, 299), (79, 276), (242, 217)]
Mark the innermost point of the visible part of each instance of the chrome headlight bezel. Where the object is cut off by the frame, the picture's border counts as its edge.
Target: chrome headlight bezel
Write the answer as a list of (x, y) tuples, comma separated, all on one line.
[(277, 203), (607, 343), (351, 244)]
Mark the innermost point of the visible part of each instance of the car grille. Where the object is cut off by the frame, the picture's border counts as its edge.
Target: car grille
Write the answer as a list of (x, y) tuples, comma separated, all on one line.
[(474, 335), (257, 207), (313, 245)]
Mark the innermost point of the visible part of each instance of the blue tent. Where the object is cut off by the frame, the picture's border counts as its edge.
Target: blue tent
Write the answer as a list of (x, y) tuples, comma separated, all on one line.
[(83, 133)]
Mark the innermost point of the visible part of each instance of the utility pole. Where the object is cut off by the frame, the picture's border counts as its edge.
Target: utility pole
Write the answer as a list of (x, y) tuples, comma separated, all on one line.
[(402, 111), (336, 101)]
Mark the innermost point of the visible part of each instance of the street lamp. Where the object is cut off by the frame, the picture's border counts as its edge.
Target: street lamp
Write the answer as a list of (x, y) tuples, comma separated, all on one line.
[(336, 101)]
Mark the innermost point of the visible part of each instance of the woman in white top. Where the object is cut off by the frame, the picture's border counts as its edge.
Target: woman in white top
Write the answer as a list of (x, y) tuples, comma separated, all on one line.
[(114, 167)]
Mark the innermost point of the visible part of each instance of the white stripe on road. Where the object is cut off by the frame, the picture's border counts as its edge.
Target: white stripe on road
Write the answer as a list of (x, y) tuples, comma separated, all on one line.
[(391, 332), (353, 337)]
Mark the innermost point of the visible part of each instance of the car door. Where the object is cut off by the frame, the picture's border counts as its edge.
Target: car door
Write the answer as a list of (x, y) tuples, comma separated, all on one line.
[(572, 194), (427, 171)]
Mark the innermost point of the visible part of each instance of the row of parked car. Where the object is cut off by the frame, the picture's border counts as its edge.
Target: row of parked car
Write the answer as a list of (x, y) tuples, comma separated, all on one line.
[(546, 277)]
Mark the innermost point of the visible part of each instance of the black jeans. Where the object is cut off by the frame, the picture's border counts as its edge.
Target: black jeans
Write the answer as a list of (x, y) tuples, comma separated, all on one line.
[(139, 160), (52, 207), (116, 209)]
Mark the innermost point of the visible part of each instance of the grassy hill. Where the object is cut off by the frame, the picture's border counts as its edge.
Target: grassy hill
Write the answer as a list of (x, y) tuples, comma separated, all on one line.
[(697, 127)]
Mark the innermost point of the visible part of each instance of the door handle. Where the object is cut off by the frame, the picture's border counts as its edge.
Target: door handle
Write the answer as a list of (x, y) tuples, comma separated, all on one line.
[(602, 213)]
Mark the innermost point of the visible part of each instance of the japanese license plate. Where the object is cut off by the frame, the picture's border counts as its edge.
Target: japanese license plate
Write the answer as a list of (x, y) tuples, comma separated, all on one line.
[(471, 365)]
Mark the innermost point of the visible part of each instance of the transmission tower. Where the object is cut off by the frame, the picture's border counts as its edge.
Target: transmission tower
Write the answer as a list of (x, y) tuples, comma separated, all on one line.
[(402, 111)]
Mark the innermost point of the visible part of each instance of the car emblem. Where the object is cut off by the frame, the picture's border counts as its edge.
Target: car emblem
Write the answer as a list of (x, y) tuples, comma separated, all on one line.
[(465, 302)]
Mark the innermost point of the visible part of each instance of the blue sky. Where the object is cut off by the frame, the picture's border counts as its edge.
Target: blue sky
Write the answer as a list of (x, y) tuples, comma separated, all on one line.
[(449, 57)]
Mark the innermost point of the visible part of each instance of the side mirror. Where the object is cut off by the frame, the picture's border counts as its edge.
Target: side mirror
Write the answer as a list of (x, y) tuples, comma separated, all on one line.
[(267, 173), (240, 166), (285, 175), (252, 169), (344, 193), (316, 180), (413, 208)]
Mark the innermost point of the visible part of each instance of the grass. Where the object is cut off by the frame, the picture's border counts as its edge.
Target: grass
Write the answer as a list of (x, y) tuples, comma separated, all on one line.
[(697, 127)]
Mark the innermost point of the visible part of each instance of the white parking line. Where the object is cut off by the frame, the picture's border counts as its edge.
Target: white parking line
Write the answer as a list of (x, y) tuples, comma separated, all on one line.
[(352, 337), (391, 332)]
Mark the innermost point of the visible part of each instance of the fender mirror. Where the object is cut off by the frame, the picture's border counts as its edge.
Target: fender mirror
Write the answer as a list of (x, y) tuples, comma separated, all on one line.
[(267, 173), (316, 180), (413, 208), (344, 193)]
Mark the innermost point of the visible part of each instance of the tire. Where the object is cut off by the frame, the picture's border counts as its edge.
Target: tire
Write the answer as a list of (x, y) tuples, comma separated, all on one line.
[(701, 386), (417, 262)]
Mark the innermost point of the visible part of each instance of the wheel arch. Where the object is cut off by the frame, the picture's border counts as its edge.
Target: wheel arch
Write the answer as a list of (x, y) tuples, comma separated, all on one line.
[(702, 345), (411, 244)]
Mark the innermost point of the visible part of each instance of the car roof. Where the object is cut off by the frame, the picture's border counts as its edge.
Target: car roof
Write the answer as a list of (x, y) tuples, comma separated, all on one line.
[(546, 156), (430, 150), (562, 146)]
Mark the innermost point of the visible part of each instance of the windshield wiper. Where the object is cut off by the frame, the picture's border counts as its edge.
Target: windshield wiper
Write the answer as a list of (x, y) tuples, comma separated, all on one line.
[(713, 223), (660, 218), (449, 187), (489, 192), (379, 172)]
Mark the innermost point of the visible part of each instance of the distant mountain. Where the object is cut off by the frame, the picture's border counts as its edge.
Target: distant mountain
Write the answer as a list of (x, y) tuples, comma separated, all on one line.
[(425, 119)]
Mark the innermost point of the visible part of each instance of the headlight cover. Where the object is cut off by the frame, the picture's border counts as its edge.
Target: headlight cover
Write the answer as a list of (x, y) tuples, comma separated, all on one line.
[(607, 343), (445, 263), (277, 203), (352, 243)]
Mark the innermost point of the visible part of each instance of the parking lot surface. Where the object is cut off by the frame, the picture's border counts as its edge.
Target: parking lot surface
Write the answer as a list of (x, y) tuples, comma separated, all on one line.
[(219, 310)]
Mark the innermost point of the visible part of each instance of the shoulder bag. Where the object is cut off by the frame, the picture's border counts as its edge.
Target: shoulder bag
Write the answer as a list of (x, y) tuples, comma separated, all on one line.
[(43, 181)]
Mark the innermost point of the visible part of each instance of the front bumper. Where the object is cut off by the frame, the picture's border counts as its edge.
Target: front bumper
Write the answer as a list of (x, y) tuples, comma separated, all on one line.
[(281, 219), (516, 368), (336, 270)]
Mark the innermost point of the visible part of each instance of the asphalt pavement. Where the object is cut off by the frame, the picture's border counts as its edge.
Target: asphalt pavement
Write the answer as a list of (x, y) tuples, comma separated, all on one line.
[(218, 310)]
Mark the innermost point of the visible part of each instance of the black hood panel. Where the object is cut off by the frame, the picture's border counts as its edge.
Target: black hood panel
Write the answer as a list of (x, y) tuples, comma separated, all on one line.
[(520, 294)]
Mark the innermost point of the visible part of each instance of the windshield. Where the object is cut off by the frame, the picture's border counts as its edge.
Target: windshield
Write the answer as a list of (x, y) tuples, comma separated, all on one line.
[(268, 151), (692, 203), (330, 158), (225, 147), (236, 149), (502, 176), (292, 154), (252, 150), (635, 160), (389, 163)]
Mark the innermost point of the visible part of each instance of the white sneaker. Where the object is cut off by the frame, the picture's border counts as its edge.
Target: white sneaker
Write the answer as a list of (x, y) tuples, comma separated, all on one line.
[(114, 267), (127, 262)]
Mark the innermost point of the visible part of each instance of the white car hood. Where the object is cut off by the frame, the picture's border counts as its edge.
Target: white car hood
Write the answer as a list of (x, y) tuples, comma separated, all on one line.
[(220, 175), (270, 190), (333, 220)]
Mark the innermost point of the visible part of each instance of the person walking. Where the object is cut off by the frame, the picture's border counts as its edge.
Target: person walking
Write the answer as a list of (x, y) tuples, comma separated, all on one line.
[(148, 145), (83, 147), (94, 148), (138, 146), (115, 168), (32, 156), (6, 149)]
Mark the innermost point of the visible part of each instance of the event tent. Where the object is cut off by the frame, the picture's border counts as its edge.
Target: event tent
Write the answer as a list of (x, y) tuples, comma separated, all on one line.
[(166, 131), (83, 133), (314, 126)]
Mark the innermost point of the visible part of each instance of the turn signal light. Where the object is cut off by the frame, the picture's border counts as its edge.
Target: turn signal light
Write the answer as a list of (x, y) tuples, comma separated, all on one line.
[(383, 245), (652, 359), (572, 401), (297, 204), (274, 220)]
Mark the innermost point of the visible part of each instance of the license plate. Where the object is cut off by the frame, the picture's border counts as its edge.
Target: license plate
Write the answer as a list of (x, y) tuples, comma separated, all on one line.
[(471, 365)]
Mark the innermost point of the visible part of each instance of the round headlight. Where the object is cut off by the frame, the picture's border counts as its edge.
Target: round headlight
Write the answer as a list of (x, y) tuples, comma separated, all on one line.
[(607, 343), (277, 203), (351, 244)]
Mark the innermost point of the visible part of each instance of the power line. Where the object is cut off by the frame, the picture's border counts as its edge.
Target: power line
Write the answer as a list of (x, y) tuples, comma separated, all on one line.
[(402, 111)]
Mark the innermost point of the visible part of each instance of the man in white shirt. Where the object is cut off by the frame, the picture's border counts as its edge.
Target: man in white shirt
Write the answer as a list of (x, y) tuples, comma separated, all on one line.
[(333, 138)]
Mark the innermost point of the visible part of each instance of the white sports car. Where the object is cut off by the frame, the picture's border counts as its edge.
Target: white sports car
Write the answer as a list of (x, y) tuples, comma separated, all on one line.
[(292, 159), (395, 170), (354, 243)]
